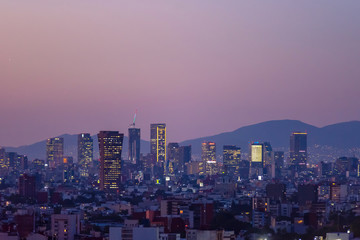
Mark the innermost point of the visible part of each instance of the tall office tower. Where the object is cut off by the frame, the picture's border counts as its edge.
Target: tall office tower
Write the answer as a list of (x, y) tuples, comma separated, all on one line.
[(185, 157), (158, 142), (54, 151), (267, 154), (256, 159), (173, 158), (110, 147), (3, 159), (134, 145), (278, 162), (231, 159), (85, 153), (298, 150), (208, 157)]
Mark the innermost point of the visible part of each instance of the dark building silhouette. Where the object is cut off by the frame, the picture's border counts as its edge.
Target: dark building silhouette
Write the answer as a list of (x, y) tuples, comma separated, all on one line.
[(110, 147), (326, 169), (278, 158), (231, 159), (13, 160), (173, 158), (307, 193), (85, 153), (346, 167), (276, 191), (267, 155), (134, 145), (203, 214), (244, 169), (24, 224), (27, 186), (185, 157), (298, 150), (38, 164)]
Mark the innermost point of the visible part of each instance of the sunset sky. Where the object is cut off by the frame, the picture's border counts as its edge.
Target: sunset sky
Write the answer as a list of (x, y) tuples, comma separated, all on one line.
[(202, 67)]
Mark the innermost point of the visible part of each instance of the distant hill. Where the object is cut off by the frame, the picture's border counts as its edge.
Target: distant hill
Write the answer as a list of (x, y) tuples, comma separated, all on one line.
[(38, 150), (341, 135), (277, 132)]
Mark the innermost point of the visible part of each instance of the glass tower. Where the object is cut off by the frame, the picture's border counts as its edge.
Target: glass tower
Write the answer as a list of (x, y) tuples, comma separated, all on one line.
[(110, 147), (85, 153), (134, 145), (298, 150), (54, 151)]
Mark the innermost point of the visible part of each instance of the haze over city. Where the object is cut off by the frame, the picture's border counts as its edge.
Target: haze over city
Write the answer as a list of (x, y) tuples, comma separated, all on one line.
[(203, 67)]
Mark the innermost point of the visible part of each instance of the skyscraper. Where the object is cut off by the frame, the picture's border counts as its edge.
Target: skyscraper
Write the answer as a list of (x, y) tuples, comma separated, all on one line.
[(85, 153), (267, 154), (134, 145), (54, 151), (298, 150), (231, 159), (256, 159), (208, 157), (173, 159), (278, 158), (185, 157), (158, 142), (110, 147), (3, 159)]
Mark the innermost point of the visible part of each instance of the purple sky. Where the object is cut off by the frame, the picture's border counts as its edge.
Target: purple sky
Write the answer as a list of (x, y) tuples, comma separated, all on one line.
[(203, 66)]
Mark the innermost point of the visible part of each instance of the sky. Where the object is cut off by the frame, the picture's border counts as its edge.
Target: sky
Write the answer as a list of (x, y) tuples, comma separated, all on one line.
[(203, 67)]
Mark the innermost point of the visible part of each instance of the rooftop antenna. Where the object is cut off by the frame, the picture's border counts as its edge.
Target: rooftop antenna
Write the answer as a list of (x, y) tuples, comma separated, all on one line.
[(133, 123)]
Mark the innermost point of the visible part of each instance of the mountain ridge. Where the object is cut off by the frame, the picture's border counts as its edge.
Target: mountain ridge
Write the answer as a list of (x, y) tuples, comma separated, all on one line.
[(277, 132)]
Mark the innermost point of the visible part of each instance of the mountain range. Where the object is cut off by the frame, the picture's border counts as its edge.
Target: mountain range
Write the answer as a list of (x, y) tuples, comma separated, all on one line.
[(343, 135)]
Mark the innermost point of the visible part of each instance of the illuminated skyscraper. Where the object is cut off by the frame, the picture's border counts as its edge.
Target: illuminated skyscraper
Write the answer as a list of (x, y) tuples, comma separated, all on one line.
[(208, 157), (298, 150), (256, 159), (158, 142), (110, 147), (134, 145), (54, 151), (85, 153), (231, 159)]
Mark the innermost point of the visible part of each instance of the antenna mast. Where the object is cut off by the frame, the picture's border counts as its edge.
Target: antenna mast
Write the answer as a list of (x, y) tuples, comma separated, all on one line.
[(133, 123)]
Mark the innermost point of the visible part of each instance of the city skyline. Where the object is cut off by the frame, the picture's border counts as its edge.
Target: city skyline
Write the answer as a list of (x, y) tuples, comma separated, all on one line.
[(195, 60), (179, 120)]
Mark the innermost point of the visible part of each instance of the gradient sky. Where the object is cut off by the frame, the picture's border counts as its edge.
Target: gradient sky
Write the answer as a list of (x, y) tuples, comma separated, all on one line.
[(203, 66)]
